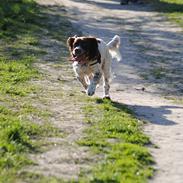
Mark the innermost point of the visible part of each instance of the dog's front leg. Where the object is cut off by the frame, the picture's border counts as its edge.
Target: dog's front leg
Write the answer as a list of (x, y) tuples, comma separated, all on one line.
[(79, 72), (82, 81), (93, 83)]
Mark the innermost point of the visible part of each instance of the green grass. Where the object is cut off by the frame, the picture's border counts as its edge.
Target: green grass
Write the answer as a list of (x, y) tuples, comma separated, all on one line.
[(172, 8), (16, 14), (18, 134), (38, 178), (13, 76), (15, 133), (116, 135), (20, 47)]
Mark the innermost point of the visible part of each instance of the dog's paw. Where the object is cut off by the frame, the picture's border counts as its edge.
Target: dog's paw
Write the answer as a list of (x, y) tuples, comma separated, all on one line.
[(91, 90)]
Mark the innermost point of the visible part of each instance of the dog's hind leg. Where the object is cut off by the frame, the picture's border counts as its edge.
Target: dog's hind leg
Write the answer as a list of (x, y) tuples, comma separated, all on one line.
[(106, 77), (106, 86)]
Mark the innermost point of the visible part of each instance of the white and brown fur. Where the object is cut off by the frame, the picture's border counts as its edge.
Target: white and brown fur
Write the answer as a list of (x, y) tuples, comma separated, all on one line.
[(92, 60)]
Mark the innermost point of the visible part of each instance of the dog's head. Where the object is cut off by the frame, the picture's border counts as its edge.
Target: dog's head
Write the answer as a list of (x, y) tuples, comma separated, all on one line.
[(83, 48)]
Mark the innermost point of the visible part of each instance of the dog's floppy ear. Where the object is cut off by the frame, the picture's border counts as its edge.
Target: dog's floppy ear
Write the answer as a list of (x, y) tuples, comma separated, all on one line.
[(70, 42)]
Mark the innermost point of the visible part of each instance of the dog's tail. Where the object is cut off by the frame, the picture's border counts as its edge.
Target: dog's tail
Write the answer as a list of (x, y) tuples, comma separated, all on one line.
[(114, 47)]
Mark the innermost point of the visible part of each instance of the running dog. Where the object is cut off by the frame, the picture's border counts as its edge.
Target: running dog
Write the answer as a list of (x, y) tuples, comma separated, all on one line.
[(91, 59)]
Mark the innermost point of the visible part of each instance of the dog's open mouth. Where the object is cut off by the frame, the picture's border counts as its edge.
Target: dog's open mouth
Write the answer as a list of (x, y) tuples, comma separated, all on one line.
[(79, 58)]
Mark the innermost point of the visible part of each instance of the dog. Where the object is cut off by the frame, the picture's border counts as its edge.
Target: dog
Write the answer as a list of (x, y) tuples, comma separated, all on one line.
[(91, 59)]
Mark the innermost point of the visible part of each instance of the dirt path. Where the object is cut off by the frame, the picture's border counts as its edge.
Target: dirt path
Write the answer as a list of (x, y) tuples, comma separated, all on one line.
[(62, 158), (152, 66)]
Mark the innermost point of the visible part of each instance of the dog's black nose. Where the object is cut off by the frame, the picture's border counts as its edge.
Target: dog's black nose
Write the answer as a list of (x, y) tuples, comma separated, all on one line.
[(77, 51)]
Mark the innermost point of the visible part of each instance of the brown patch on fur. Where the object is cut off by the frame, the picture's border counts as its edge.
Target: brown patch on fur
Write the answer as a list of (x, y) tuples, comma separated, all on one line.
[(92, 48)]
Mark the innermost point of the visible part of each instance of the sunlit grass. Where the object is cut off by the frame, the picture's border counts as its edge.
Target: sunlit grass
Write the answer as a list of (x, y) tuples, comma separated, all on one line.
[(19, 49), (14, 74), (116, 135)]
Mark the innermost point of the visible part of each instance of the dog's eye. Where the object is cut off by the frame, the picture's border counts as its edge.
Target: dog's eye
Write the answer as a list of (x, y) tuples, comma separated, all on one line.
[(76, 44)]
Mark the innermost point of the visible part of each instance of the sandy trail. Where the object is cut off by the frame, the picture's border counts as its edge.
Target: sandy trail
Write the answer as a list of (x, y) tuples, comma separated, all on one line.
[(60, 157), (152, 67), (152, 50)]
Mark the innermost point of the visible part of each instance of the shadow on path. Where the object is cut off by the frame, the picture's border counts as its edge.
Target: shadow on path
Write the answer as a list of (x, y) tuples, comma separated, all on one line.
[(155, 115)]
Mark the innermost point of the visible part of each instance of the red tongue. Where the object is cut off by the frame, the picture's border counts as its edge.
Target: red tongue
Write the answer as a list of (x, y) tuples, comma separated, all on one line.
[(74, 59), (77, 58)]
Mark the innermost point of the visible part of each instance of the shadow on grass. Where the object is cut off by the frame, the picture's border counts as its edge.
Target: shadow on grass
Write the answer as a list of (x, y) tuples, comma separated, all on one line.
[(168, 7), (24, 23)]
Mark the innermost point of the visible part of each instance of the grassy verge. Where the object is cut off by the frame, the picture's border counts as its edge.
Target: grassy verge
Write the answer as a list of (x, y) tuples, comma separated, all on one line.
[(22, 124), (116, 135), (172, 8)]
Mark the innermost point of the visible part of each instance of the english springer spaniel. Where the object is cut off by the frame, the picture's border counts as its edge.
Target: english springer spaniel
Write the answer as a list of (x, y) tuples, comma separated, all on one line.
[(91, 59)]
